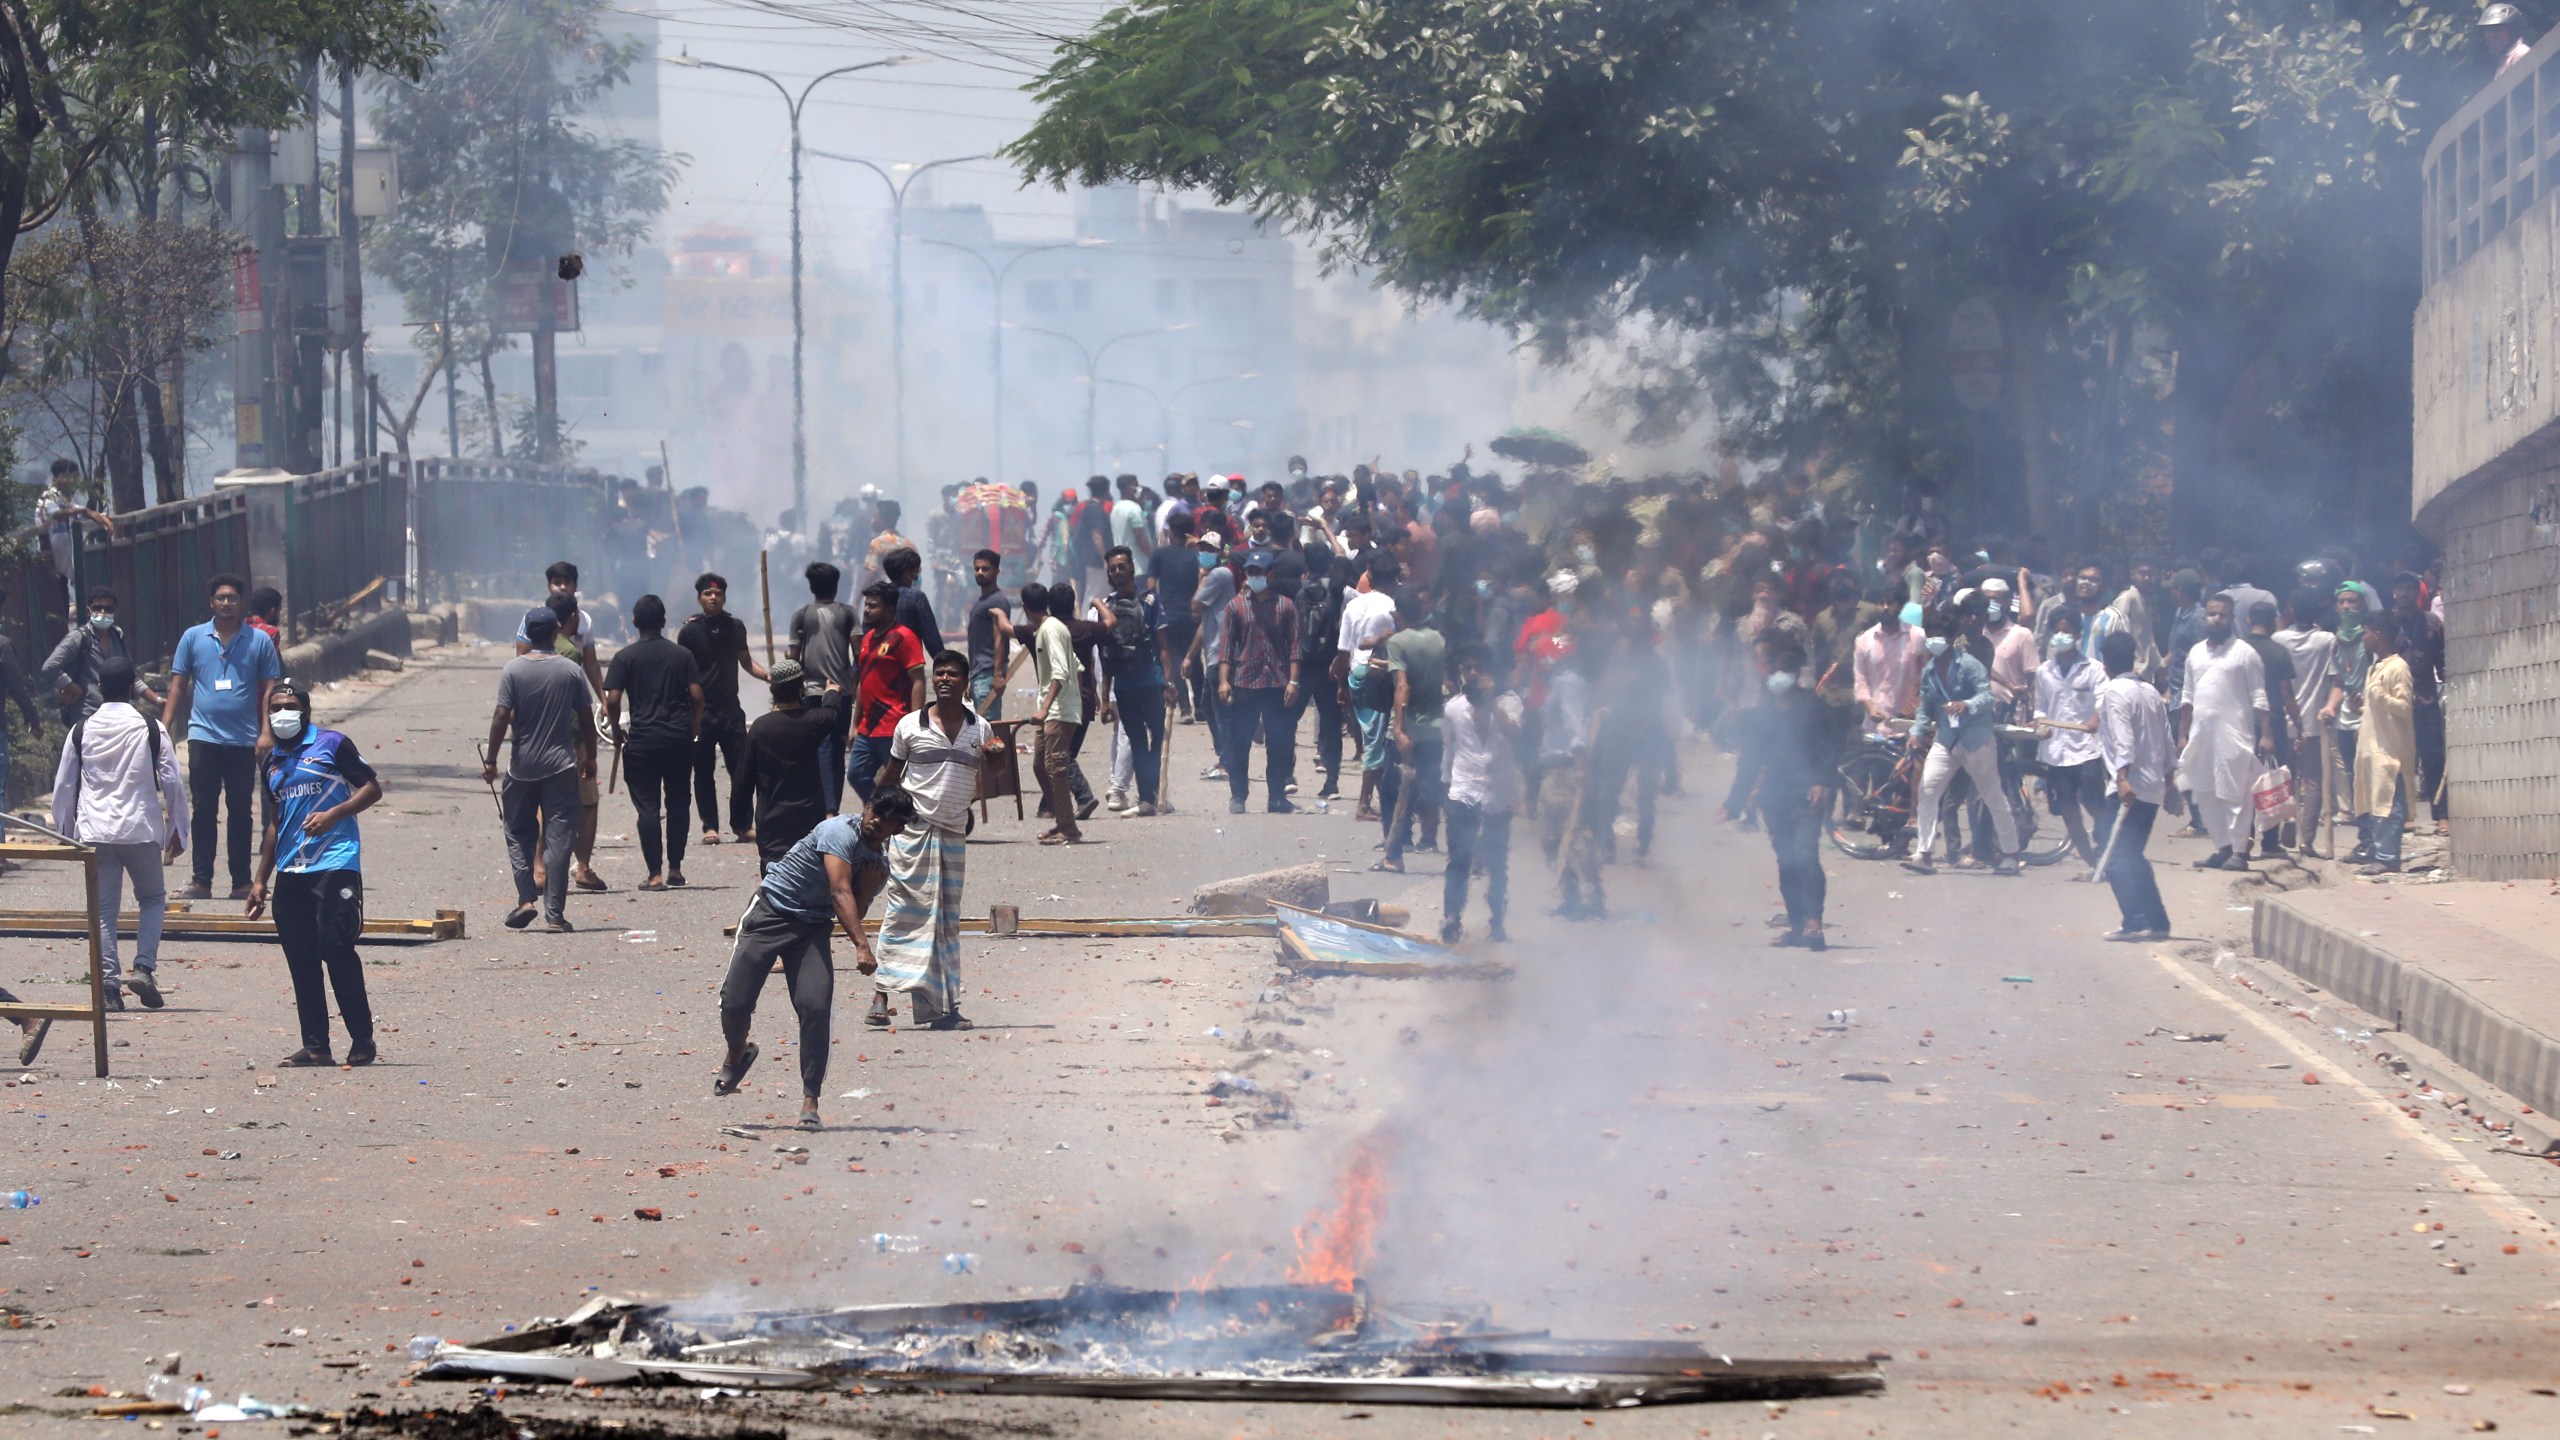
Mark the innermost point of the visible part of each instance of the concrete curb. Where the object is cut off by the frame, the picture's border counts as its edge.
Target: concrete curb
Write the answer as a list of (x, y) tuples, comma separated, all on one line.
[(2467, 1029)]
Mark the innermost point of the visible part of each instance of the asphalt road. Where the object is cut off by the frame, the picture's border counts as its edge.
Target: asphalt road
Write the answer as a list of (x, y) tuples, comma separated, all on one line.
[(2052, 1219)]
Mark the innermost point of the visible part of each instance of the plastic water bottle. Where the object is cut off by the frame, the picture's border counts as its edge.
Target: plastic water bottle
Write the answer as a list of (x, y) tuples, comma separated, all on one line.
[(888, 1244), (424, 1347), (21, 1199), (958, 1263)]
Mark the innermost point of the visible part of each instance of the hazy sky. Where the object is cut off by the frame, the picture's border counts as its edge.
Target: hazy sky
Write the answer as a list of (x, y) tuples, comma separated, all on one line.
[(962, 97)]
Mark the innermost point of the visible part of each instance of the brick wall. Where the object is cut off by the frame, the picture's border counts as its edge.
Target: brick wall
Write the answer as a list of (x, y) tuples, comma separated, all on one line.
[(2502, 659)]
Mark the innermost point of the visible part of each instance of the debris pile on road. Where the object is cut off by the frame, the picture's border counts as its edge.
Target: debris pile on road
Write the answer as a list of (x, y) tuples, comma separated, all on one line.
[(1255, 1343)]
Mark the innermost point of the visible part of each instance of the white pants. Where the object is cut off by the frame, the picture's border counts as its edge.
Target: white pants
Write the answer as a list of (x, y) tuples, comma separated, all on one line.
[(1124, 762), (1982, 762), (2226, 820)]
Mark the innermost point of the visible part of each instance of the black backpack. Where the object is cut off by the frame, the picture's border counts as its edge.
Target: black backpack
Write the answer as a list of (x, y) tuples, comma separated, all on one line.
[(1124, 642)]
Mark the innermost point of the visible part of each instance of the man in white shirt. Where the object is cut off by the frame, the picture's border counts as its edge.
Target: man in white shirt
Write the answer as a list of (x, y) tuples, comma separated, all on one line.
[(59, 511), (117, 789), (2228, 735), (1129, 525), (934, 755), (2066, 711), (1480, 765), (2133, 742), (1368, 618)]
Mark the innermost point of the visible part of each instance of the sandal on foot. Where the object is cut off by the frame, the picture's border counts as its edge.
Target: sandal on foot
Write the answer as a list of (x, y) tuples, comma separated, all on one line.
[(307, 1058), (590, 881), (35, 1041), (653, 883), (879, 1015), (810, 1122), (727, 1080), (520, 917)]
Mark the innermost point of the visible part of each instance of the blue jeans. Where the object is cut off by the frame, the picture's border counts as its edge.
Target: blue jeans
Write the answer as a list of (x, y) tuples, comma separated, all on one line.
[(870, 752), (2128, 869), (985, 698), (1477, 841), (1142, 722), (2381, 833)]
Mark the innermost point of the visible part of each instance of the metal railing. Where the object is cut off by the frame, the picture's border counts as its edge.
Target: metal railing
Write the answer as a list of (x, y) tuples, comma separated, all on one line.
[(489, 527), (2492, 161), (159, 562), (345, 529)]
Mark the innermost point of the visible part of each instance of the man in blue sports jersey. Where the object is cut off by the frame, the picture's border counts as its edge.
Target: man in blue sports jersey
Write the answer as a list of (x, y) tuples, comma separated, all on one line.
[(318, 785)]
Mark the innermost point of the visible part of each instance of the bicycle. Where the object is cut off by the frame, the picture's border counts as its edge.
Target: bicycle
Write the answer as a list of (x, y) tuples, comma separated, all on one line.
[(1873, 810)]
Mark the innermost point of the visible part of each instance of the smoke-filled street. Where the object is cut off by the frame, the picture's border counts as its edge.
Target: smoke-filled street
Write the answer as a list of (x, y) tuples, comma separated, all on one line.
[(1994, 1168)]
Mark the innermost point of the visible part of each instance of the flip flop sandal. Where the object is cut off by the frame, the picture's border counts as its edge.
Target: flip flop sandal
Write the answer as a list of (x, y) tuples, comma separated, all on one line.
[(727, 1081), (306, 1060), (812, 1123), (654, 885), (879, 1014), (35, 1042), (1385, 868), (1054, 838), (594, 883), (520, 917)]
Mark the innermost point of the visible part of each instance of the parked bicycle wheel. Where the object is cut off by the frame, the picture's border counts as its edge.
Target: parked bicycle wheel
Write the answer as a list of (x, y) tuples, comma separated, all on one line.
[(1869, 796)]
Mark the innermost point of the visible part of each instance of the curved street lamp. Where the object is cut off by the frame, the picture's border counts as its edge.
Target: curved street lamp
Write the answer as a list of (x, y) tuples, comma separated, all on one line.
[(898, 282), (995, 357), (1164, 404), (799, 389), (1092, 368)]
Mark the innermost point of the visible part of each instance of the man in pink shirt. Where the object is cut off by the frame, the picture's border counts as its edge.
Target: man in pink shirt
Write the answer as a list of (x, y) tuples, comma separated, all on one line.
[(2013, 647), (1887, 662)]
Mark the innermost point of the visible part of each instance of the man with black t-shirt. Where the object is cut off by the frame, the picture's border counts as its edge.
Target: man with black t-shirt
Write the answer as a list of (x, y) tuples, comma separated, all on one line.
[(990, 636), (784, 751), (718, 643), (657, 752), (822, 641)]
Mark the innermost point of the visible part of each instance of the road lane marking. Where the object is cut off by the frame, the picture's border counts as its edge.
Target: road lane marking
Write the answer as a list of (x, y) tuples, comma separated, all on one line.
[(2502, 1206)]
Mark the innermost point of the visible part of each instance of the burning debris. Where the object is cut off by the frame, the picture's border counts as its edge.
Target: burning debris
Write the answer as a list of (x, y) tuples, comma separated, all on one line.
[(1323, 1343)]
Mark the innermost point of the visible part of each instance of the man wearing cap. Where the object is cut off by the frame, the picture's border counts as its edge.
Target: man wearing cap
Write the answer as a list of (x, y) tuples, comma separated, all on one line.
[(117, 790), (545, 705), (1257, 678), (784, 754)]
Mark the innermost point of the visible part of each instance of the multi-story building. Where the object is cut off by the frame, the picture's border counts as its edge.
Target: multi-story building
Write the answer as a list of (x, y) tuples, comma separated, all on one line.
[(2486, 474)]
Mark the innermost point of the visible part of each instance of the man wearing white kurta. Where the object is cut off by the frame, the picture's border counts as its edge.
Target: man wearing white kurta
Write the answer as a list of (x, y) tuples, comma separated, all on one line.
[(2226, 705)]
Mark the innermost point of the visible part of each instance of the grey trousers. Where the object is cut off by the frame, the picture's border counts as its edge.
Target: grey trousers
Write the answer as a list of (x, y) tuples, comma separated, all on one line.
[(766, 935), (150, 896), (542, 814)]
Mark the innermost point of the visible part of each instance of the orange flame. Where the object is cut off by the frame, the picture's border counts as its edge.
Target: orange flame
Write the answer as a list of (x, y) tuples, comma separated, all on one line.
[(1332, 1248)]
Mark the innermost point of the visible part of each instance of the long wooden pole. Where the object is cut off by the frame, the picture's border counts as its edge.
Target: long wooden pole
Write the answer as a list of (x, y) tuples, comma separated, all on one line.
[(764, 583), (675, 512)]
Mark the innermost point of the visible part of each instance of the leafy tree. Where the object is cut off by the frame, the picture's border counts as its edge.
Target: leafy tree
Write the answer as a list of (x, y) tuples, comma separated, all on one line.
[(84, 81), (2177, 209), (495, 166)]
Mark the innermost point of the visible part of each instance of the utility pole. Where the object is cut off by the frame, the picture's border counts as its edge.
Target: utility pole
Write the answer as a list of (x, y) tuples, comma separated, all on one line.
[(310, 363), (799, 331), (353, 265), (995, 333), (258, 212)]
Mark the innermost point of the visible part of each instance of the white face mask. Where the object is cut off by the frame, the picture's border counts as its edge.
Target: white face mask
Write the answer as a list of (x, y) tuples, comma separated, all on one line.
[(287, 724), (1780, 683), (1937, 644), (102, 621)]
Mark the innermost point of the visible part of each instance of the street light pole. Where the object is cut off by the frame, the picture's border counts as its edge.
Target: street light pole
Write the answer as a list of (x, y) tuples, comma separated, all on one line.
[(1092, 372), (1164, 404), (799, 332), (995, 347), (898, 284)]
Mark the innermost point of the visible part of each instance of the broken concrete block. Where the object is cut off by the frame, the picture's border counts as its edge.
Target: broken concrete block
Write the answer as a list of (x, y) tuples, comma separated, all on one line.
[(1303, 885)]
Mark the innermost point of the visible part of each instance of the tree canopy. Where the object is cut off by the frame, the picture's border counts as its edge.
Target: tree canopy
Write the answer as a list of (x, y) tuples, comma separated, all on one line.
[(2165, 206)]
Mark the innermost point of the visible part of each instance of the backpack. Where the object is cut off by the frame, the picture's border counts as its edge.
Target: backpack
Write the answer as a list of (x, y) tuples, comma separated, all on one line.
[(1125, 641)]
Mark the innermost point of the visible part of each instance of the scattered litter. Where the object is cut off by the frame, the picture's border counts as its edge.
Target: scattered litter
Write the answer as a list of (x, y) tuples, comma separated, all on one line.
[(2214, 1038), (424, 1347), (861, 1094), (957, 1263), (1868, 1075), (740, 1131), (639, 937), (2017, 979), (888, 1244)]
